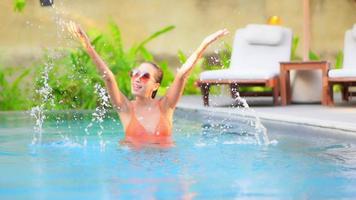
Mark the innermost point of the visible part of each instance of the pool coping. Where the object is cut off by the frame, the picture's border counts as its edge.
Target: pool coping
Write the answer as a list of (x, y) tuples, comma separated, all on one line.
[(349, 128)]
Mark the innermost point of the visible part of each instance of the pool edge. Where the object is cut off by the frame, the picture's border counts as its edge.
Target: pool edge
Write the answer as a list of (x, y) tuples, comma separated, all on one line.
[(349, 128)]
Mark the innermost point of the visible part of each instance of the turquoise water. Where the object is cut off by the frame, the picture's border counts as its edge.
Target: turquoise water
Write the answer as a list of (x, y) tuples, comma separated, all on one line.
[(222, 162)]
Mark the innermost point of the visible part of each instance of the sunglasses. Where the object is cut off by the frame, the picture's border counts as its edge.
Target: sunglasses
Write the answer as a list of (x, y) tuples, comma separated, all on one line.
[(143, 76)]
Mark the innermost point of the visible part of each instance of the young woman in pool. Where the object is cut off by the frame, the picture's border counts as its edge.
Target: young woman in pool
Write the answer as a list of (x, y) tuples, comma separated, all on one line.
[(146, 120)]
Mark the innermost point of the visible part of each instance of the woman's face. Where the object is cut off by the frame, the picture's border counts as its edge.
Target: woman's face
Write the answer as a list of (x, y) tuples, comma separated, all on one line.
[(143, 81)]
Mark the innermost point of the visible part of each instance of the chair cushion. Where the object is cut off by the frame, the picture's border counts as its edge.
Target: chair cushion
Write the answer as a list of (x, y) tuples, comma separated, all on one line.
[(354, 31), (228, 74), (340, 73), (258, 34)]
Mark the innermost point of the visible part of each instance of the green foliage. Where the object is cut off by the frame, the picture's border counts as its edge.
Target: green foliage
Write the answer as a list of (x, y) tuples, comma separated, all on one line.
[(190, 87), (12, 96), (19, 5), (339, 59), (122, 61), (255, 89), (223, 57), (294, 56), (168, 77), (338, 65), (313, 56), (73, 75), (295, 43), (72, 80)]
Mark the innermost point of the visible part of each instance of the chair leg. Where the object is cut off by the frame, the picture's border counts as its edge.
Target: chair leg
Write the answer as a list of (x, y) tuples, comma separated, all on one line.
[(326, 90), (345, 92), (234, 90), (204, 88), (331, 95), (276, 91)]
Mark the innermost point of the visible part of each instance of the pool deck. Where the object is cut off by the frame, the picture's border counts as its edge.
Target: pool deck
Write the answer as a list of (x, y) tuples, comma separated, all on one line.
[(342, 116)]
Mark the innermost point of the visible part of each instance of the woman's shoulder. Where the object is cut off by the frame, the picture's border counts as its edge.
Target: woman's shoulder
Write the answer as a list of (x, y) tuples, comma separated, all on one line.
[(163, 104), (161, 101)]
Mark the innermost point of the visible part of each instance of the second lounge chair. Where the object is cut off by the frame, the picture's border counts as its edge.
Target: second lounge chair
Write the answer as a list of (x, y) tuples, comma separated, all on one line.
[(257, 51), (346, 77)]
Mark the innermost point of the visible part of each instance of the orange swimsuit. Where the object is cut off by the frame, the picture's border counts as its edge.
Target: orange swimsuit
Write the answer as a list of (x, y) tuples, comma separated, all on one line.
[(137, 135)]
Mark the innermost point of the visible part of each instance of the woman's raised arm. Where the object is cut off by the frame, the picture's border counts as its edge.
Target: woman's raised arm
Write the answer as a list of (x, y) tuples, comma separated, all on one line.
[(176, 89), (119, 100)]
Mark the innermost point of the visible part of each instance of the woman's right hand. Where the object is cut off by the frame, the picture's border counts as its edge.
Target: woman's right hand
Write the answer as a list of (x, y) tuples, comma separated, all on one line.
[(119, 100), (77, 32)]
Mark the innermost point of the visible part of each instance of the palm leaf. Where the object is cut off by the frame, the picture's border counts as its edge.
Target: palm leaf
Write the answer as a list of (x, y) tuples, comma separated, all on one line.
[(19, 5), (19, 78), (181, 57), (339, 60), (155, 35), (313, 56), (146, 54), (116, 35)]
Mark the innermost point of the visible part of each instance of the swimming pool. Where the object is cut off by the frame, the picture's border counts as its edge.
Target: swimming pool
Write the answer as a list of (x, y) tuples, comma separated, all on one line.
[(219, 162)]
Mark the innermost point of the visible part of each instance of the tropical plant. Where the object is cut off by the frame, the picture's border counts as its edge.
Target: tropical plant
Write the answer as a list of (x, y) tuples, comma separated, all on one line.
[(19, 5), (295, 43), (12, 94), (168, 77), (221, 59), (313, 56), (73, 76), (190, 87), (338, 65), (339, 59)]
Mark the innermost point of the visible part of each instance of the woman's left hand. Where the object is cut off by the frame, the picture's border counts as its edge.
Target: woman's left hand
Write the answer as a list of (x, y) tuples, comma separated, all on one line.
[(211, 38), (190, 62), (176, 90)]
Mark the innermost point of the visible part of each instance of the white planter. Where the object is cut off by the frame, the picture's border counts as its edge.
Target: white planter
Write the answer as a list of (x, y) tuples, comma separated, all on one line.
[(306, 86)]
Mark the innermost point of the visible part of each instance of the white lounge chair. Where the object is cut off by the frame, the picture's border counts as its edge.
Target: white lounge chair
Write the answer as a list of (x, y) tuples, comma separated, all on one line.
[(257, 51), (346, 76)]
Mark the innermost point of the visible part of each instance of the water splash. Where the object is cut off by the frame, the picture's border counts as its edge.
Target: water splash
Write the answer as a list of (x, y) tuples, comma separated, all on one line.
[(59, 15), (37, 113), (260, 131), (46, 98), (45, 91), (99, 114), (250, 130)]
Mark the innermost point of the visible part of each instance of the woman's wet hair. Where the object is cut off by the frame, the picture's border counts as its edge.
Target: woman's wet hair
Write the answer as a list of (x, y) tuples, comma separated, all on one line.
[(158, 77)]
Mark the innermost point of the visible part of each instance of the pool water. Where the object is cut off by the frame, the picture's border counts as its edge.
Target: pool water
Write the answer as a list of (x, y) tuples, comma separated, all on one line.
[(218, 162)]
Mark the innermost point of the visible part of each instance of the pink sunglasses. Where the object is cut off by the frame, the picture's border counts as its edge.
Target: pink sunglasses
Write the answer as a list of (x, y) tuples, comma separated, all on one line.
[(143, 76)]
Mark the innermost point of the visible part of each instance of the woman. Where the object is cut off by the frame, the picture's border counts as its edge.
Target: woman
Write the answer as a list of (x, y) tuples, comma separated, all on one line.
[(147, 121)]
